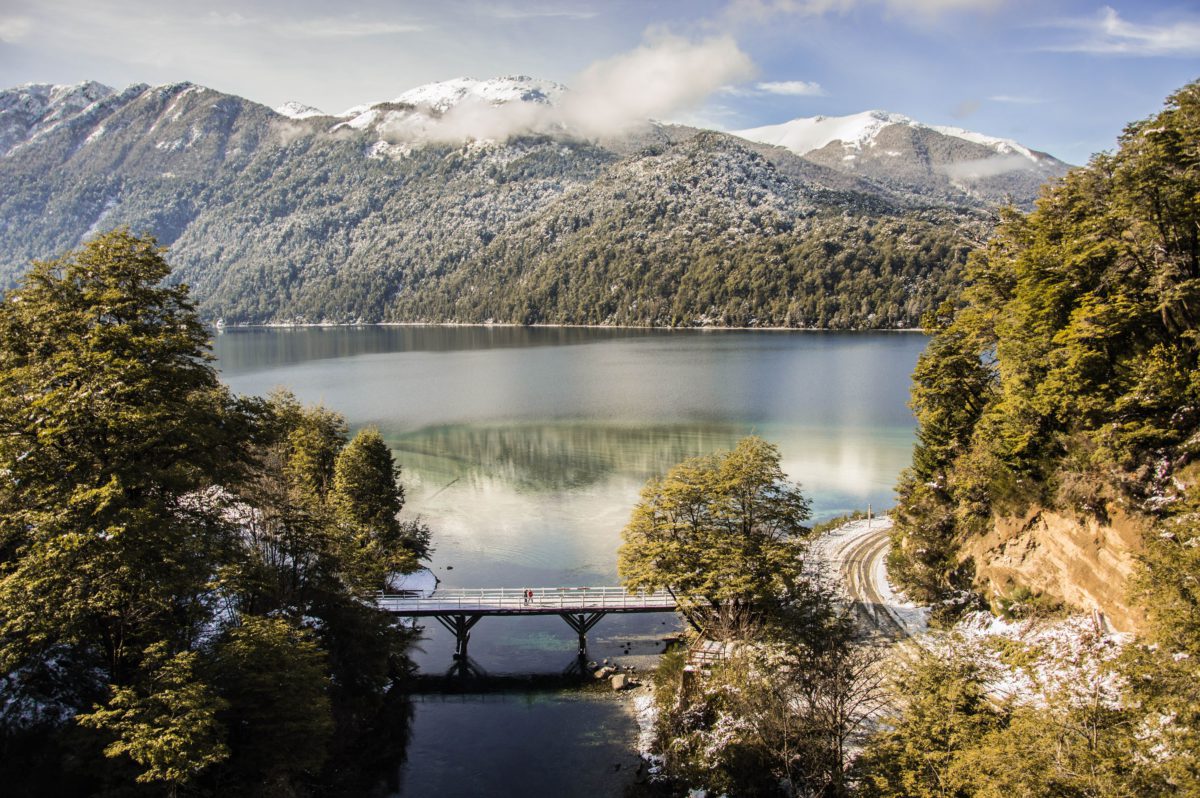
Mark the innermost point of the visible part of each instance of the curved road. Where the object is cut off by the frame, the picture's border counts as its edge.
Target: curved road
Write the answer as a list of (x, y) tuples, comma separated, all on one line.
[(857, 552)]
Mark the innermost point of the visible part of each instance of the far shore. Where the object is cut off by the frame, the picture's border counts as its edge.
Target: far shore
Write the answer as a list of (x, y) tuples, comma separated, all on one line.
[(509, 325)]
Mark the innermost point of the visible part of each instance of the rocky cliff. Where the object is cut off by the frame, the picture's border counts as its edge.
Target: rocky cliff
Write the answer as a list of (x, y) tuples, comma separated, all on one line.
[(1083, 563)]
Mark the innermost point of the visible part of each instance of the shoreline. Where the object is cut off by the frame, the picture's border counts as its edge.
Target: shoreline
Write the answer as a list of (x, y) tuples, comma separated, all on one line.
[(512, 325)]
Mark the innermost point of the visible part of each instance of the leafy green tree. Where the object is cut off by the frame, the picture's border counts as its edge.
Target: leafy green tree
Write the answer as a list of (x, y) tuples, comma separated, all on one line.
[(367, 499), (721, 532), (272, 675), (170, 726), (943, 711), (1068, 378), (150, 523), (115, 439)]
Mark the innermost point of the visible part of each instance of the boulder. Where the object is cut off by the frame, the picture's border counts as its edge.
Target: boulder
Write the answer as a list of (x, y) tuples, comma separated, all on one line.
[(619, 681)]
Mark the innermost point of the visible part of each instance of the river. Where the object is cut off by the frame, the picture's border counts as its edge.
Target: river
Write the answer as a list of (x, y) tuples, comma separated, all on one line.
[(525, 448)]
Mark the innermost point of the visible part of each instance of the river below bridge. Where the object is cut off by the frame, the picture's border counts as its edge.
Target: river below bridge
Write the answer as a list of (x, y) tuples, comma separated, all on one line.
[(525, 450)]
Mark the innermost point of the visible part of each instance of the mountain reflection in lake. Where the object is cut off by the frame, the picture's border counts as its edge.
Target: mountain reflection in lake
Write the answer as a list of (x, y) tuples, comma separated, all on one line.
[(525, 450)]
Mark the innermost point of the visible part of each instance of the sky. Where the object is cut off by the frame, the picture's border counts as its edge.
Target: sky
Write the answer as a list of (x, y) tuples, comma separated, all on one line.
[(1062, 76)]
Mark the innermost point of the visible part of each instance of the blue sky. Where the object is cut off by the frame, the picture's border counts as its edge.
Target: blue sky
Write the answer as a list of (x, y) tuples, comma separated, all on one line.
[(1062, 76)]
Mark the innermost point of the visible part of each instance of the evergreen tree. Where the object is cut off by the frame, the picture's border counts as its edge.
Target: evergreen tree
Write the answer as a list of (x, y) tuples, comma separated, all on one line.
[(116, 439), (1069, 378), (721, 533), (181, 571)]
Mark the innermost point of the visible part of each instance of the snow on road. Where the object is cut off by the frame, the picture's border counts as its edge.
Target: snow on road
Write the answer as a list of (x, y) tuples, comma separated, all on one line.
[(857, 551)]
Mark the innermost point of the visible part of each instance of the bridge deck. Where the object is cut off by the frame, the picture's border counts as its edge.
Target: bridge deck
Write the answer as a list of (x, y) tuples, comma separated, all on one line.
[(512, 601)]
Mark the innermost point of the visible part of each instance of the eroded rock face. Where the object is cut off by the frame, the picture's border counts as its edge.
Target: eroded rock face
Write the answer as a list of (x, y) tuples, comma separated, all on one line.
[(1082, 563)]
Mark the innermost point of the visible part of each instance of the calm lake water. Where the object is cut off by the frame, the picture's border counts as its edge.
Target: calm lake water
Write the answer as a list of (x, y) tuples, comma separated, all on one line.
[(525, 450)]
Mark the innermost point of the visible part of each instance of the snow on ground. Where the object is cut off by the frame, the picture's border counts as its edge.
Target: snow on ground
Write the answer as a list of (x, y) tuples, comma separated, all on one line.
[(1028, 660), (420, 583), (806, 134), (849, 550), (441, 97)]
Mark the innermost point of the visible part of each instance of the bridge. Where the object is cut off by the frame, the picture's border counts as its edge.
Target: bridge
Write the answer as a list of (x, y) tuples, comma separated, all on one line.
[(581, 607)]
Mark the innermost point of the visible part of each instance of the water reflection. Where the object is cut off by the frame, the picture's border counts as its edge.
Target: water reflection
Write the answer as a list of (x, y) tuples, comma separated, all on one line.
[(246, 349), (525, 449)]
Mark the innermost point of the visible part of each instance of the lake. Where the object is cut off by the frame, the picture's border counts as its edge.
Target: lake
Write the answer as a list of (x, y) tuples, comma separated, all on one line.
[(525, 449)]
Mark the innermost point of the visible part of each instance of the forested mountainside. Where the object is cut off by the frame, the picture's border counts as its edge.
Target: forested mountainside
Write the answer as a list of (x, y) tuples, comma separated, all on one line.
[(354, 218), (1067, 388)]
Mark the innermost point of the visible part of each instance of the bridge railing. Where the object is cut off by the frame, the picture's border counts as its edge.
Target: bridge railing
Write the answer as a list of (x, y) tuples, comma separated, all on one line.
[(515, 598)]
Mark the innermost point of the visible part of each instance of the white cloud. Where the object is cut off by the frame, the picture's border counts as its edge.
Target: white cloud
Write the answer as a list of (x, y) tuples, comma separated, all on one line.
[(1108, 34), (764, 9), (792, 88), (987, 167), (511, 12), (336, 28), (666, 75), (14, 29), (1016, 99)]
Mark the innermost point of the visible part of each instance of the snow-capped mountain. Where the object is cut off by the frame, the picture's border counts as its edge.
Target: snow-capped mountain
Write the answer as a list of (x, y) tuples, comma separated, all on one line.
[(33, 109), (295, 110), (857, 131), (442, 96), (461, 109), (896, 149)]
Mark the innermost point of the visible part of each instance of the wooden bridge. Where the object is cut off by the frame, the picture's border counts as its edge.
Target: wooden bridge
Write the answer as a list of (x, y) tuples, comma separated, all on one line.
[(581, 607)]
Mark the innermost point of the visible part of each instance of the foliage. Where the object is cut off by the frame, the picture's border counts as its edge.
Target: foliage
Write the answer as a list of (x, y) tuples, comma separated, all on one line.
[(273, 676), (170, 730), (1069, 378), (944, 712), (116, 438), (778, 715), (951, 734), (163, 546), (721, 532), (725, 534)]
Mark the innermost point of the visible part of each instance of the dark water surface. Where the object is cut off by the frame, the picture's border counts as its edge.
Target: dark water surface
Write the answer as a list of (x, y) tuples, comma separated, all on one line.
[(525, 450)]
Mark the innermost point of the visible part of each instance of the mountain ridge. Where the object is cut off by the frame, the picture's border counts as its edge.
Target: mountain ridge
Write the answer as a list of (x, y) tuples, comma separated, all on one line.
[(305, 218)]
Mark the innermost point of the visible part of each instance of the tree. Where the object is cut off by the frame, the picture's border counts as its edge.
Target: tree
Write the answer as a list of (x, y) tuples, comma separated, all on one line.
[(943, 711), (150, 522), (367, 499), (273, 677), (170, 727), (1068, 377), (722, 532), (116, 438)]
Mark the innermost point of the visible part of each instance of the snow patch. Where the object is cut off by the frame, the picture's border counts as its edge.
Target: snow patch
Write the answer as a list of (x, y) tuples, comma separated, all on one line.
[(808, 134), (295, 110), (1031, 660), (420, 583)]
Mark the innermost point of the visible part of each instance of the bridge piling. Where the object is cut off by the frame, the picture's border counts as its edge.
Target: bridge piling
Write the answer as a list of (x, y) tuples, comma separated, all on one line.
[(582, 623), (460, 626)]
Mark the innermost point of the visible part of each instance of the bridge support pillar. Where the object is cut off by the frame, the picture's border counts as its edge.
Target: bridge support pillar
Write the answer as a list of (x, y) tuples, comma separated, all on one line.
[(460, 626), (582, 623)]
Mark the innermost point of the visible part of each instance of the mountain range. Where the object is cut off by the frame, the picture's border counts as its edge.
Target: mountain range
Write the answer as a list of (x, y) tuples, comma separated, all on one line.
[(507, 200)]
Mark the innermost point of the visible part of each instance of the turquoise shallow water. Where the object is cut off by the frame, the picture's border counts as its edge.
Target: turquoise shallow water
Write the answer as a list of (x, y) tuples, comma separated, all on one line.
[(525, 450)]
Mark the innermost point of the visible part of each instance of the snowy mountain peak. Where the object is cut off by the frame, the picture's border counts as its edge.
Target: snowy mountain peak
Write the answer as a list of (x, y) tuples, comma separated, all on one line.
[(856, 131), (440, 97), (40, 98), (295, 110)]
